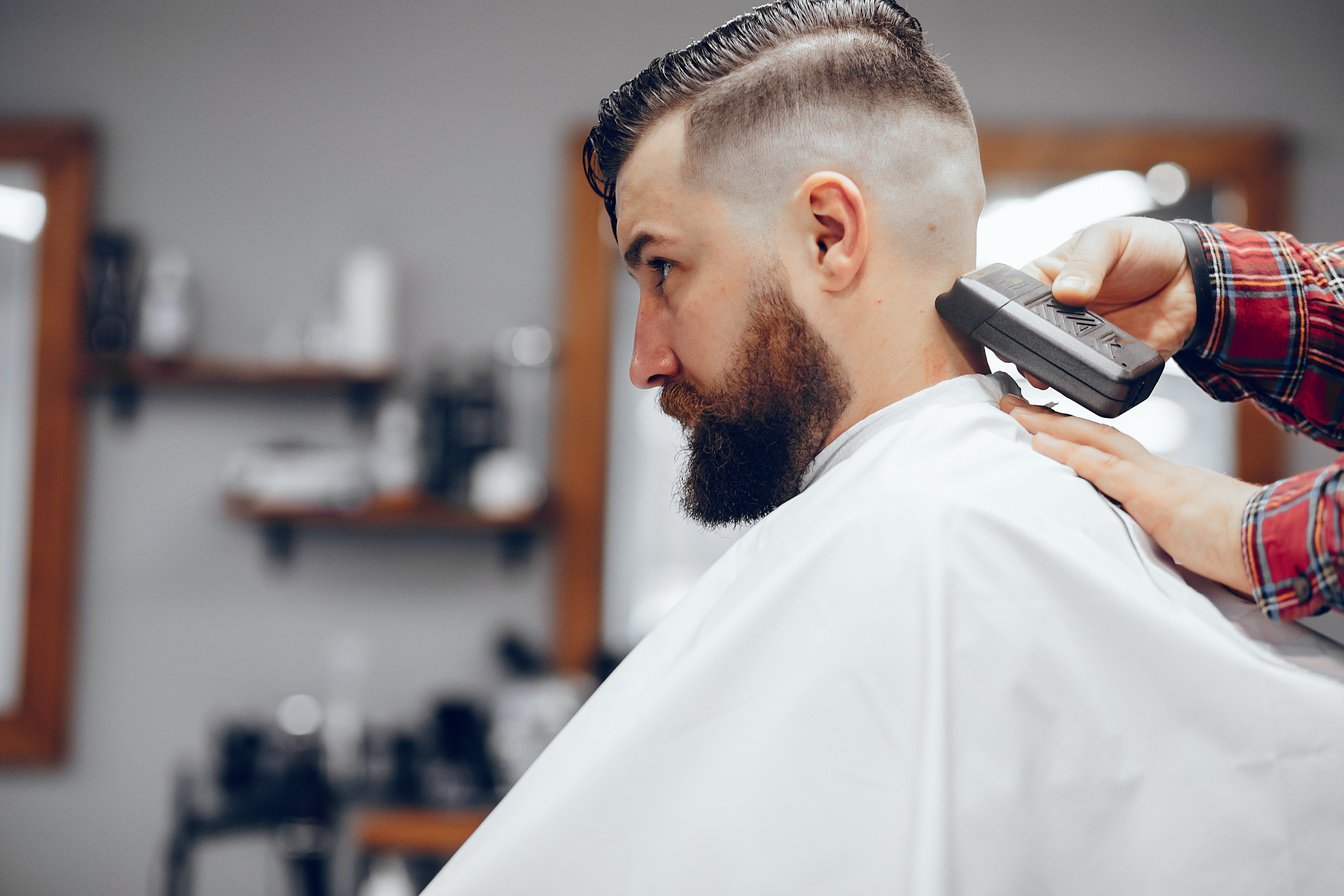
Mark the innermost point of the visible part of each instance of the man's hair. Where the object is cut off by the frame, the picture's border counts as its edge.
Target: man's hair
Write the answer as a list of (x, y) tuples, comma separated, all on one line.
[(763, 71)]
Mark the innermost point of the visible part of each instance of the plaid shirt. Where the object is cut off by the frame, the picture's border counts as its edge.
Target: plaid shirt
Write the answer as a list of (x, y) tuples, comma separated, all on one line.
[(1271, 329)]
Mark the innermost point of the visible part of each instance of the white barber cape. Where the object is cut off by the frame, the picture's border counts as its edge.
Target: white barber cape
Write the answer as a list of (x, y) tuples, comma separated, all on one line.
[(948, 666)]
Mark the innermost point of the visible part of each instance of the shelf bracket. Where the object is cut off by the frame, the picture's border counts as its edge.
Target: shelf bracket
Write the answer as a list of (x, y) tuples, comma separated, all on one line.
[(125, 395), (515, 546), (279, 537), (361, 399)]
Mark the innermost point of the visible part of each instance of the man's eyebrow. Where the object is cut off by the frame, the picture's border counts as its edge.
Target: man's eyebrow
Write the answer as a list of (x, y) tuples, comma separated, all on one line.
[(635, 251)]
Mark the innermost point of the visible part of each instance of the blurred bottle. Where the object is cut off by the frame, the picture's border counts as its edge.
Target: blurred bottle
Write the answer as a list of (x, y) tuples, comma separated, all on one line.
[(459, 771), (462, 422), (394, 457), (526, 357), (505, 483), (511, 480), (388, 877), (109, 313), (343, 731), (530, 709), (169, 316), (366, 304)]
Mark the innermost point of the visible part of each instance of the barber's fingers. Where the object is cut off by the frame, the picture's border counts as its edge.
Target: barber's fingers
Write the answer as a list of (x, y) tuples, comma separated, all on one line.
[(1074, 429), (1194, 514), (1034, 380), (1115, 475), (1077, 269), (1112, 461)]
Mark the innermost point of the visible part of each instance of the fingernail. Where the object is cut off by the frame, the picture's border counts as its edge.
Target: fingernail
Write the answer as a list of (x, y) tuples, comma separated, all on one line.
[(1071, 282)]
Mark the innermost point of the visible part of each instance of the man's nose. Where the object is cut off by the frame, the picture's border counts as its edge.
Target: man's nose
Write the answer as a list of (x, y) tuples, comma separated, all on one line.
[(652, 362)]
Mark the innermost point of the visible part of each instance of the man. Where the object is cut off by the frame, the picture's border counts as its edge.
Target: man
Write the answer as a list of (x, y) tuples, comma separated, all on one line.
[(939, 662)]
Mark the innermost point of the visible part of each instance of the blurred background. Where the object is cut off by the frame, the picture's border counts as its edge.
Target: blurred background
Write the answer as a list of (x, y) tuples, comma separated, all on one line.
[(341, 261)]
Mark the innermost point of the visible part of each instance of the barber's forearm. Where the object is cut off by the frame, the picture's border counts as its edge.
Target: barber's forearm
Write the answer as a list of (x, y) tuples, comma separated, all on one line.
[(1272, 327), (1293, 542)]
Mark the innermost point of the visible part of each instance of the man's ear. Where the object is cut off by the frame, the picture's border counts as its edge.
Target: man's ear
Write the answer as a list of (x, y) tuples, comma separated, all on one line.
[(836, 224)]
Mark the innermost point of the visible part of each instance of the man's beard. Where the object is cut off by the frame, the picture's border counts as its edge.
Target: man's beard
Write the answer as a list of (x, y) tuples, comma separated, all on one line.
[(750, 440)]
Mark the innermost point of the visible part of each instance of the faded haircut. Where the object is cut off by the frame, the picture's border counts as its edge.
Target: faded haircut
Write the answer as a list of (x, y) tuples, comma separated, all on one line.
[(769, 73)]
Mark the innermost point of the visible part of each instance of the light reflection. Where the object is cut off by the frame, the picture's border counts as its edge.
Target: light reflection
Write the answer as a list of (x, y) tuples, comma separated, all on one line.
[(22, 213), (1017, 229), (299, 715), (1167, 182)]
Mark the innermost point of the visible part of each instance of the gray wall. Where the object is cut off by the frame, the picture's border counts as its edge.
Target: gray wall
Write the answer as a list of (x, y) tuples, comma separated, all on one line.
[(266, 139)]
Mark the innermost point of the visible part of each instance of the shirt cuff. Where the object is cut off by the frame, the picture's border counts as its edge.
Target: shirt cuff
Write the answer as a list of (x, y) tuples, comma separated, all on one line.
[(1276, 550), (1199, 275), (1248, 341)]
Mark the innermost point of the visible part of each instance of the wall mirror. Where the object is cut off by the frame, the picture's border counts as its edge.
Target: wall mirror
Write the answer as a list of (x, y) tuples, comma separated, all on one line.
[(45, 184), (647, 554)]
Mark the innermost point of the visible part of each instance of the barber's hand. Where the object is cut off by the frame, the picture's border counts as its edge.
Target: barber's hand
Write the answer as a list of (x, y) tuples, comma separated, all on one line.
[(1194, 514), (1131, 271)]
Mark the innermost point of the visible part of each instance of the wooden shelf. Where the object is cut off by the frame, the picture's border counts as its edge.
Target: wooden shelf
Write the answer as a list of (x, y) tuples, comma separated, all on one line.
[(125, 378), (206, 371), (433, 831), (409, 512), (279, 521)]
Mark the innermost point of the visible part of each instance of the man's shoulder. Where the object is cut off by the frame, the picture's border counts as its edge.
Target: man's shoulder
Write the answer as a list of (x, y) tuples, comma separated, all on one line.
[(957, 463), (967, 490)]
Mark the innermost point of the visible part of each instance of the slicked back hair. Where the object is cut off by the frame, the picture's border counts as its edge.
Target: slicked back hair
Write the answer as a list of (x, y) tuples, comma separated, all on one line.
[(764, 71)]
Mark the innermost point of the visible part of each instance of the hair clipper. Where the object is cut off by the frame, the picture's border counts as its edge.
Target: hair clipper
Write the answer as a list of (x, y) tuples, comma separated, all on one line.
[(1086, 358)]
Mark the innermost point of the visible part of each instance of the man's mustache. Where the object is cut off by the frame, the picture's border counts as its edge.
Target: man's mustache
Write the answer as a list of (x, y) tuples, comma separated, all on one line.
[(681, 402)]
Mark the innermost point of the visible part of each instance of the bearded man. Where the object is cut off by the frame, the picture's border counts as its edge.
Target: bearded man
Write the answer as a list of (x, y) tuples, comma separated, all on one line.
[(938, 662)]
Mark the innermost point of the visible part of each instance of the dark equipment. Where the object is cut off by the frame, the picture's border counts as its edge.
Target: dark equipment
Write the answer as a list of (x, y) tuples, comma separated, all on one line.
[(260, 786), (265, 781), (1089, 360)]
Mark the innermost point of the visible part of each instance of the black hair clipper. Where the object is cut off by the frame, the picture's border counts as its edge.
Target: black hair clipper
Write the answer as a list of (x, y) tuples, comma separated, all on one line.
[(1091, 361)]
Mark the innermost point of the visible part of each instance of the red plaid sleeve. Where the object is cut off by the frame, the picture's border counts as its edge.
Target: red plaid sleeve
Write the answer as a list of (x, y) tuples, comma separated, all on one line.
[(1293, 544), (1276, 329), (1274, 312)]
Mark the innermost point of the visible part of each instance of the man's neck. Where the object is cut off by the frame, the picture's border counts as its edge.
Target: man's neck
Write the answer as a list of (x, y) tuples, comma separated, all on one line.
[(903, 357)]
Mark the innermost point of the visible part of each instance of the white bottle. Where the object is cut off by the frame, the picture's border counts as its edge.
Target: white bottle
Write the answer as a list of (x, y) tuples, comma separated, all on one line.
[(388, 877), (168, 316), (366, 306), (347, 660), (394, 459)]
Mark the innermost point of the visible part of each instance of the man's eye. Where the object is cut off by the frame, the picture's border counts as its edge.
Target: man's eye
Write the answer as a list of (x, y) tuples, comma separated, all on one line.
[(662, 267)]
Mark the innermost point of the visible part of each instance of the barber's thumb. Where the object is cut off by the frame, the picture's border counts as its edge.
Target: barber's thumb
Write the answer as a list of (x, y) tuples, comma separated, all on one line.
[(1076, 284), (1093, 253)]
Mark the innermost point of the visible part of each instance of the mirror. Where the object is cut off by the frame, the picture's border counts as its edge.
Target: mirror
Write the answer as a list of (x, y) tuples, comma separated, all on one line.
[(45, 185), (1227, 174)]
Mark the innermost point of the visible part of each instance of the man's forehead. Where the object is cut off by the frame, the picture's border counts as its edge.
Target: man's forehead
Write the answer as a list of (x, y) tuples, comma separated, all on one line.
[(650, 183)]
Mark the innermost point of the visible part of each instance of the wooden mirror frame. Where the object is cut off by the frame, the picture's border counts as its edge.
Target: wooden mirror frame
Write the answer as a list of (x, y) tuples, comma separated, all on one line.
[(1254, 160), (579, 474), (34, 731)]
